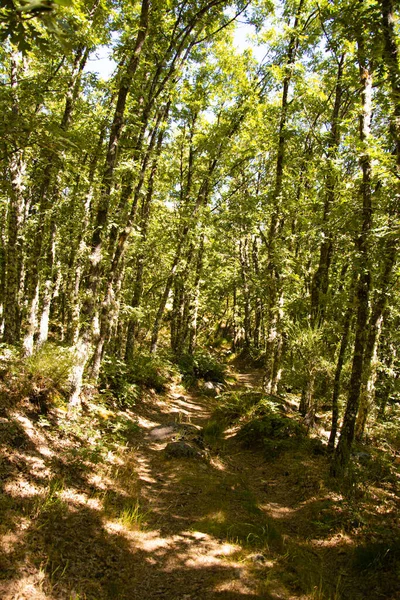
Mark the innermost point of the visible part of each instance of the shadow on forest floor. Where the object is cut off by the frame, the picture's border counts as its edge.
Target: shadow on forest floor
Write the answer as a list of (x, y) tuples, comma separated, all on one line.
[(91, 509)]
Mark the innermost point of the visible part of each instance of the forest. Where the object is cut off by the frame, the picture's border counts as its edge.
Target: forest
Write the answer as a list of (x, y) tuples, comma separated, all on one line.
[(199, 299)]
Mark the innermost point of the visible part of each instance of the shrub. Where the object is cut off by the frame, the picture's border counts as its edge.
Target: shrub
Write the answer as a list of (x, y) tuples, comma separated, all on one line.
[(115, 383), (268, 427), (42, 377), (213, 432), (151, 371), (201, 365), (124, 381), (260, 430), (234, 405)]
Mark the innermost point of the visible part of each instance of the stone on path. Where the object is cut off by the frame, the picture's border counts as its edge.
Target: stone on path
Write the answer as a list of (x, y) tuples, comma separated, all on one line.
[(181, 450)]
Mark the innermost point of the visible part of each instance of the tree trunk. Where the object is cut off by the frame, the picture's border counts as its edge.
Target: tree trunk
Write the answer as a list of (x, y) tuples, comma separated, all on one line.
[(273, 334), (194, 310), (343, 450), (338, 373), (45, 221), (15, 215), (244, 269), (320, 281)]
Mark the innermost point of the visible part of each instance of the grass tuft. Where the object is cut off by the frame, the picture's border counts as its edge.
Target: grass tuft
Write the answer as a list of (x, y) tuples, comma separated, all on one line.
[(132, 516)]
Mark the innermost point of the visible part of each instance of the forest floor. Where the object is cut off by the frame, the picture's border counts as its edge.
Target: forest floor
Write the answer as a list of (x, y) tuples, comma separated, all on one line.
[(92, 508)]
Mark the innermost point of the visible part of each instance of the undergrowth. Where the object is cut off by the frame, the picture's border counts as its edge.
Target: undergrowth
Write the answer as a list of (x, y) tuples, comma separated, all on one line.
[(42, 379), (201, 365), (262, 420), (123, 382)]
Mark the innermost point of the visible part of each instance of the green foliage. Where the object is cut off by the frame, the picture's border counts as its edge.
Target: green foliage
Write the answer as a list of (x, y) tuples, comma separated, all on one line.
[(213, 432), (262, 420), (308, 357), (42, 378), (388, 429), (115, 384), (268, 428), (152, 371), (201, 365), (124, 382), (234, 405), (26, 22)]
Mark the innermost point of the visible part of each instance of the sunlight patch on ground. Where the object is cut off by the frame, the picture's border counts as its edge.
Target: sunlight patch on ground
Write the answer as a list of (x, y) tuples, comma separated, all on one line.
[(9, 540), (339, 539), (114, 527), (27, 588), (144, 471), (72, 496), (146, 423), (21, 488), (185, 406), (216, 463), (37, 466), (100, 481), (277, 511), (26, 423), (151, 541), (45, 451)]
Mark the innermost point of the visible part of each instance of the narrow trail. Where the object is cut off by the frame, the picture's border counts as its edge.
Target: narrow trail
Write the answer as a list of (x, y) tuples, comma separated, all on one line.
[(208, 519), (84, 518)]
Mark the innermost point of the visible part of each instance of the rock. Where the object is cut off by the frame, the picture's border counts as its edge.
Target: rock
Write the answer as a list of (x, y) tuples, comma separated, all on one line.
[(188, 429), (161, 432), (190, 433), (258, 558), (181, 450), (210, 388)]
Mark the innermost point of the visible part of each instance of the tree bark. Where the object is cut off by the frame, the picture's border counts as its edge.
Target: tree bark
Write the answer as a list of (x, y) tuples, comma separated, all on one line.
[(273, 344), (320, 281), (342, 454), (15, 214)]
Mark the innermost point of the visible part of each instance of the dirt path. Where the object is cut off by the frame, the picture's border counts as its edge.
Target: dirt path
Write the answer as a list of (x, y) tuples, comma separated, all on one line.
[(212, 531), (83, 518)]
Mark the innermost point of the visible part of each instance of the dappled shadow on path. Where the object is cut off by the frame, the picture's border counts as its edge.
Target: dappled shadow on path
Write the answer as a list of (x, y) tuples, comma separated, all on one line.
[(131, 524), (71, 529)]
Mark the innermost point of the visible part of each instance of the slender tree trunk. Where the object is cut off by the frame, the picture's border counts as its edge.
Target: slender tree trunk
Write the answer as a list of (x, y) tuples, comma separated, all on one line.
[(140, 259), (273, 334), (84, 345), (320, 281), (45, 221), (48, 284), (15, 215), (390, 246), (194, 311), (202, 199), (258, 302), (343, 450), (163, 302), (115, 274), (386, 376), (244, 269), (367, 392), (338, 373)]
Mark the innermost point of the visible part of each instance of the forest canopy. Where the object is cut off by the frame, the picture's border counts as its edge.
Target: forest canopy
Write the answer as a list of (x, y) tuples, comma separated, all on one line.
[(202, 197)]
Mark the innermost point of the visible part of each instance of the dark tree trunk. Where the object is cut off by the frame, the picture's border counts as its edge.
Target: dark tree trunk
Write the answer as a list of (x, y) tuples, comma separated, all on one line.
[(343, 450), (320, 281)]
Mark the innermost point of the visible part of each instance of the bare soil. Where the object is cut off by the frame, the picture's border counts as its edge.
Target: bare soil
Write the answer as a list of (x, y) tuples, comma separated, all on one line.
[(91, 510)]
